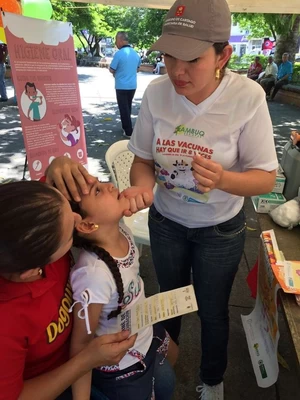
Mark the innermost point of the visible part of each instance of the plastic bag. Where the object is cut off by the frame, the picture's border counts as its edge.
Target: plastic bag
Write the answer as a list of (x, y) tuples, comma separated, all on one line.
[(287, 215)]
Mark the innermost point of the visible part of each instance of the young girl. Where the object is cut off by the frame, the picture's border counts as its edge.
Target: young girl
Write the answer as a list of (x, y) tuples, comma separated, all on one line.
[(106, 280)]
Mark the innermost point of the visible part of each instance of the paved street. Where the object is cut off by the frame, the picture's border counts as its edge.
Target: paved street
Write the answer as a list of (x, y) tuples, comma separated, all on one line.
[(102, 122), (101, 118), (102, 125)]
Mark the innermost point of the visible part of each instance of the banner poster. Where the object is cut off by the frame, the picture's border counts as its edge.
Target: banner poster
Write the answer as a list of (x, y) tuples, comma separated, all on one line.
[(261, 326), (42, 58)]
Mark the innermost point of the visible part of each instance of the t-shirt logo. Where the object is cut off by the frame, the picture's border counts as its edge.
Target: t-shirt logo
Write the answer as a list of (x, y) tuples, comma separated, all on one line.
[(179, 11), (57, 327), (185, 131)]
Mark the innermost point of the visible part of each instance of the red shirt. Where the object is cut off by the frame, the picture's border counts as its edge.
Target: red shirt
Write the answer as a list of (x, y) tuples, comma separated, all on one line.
[(255, 66), (35, 327)]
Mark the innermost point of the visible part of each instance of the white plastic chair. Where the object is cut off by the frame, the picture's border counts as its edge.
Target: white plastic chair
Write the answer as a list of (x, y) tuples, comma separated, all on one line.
[(119, 160)]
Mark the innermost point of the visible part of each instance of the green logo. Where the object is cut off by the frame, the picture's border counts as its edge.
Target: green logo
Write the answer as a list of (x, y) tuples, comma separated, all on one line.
[(262, 368), (184, 131)]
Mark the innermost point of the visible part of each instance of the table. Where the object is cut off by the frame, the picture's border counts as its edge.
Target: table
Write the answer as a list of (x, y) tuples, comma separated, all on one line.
[(288, 242)]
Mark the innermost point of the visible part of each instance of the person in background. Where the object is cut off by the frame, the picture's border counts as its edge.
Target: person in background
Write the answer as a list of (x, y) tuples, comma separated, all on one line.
[(269, 76), (255, 69), (159, 64), (158, 59), (124, 67), (3, 56), (284, 76)]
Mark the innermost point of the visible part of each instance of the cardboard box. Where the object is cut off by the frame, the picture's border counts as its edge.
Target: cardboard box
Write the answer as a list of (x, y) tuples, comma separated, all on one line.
[(267, 202), (280, 181)]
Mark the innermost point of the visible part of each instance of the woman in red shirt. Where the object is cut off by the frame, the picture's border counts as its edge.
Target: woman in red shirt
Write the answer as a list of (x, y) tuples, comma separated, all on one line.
[(36, 235), (255, 69)]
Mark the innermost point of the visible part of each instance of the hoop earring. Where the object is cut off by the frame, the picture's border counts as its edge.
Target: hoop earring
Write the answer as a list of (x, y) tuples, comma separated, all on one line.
[(218, 73)]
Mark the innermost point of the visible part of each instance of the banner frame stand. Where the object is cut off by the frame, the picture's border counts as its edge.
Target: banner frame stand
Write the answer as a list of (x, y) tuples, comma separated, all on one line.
[(25, 168)]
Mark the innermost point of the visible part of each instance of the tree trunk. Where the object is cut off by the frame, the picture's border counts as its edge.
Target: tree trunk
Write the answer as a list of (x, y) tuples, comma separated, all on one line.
[(96, 48), (287, 43), (81, 41)]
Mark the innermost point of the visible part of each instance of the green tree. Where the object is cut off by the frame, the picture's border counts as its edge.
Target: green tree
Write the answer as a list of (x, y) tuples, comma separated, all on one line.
[(88, 20), (142, 24), (285, 29)]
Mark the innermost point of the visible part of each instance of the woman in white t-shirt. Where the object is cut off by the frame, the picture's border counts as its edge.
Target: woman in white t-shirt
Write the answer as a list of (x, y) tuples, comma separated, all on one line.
[(106, 280), (205, 137)]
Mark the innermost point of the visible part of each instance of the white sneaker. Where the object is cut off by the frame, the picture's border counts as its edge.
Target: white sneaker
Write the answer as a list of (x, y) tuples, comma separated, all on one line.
[(212, 392)]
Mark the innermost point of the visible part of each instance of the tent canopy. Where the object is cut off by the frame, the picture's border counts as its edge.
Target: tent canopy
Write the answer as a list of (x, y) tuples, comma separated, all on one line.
[(247, 6)]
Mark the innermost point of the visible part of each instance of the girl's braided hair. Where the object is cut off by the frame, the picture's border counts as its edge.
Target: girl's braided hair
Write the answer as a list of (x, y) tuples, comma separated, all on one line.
[(103, 255)]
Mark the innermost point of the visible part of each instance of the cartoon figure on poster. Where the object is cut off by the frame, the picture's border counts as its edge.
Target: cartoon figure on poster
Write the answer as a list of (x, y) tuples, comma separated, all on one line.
[(36, 101), (33, 102), (69, 130)]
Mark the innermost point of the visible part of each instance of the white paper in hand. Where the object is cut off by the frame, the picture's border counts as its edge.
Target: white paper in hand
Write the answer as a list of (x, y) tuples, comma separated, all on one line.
[(158, 308)]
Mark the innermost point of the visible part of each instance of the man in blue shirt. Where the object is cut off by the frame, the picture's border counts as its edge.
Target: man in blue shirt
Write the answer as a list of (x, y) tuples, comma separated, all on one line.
[(124, 67), (284, 75)]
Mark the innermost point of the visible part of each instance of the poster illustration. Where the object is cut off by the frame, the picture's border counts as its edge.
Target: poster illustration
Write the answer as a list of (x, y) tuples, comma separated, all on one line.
[(44, 72)]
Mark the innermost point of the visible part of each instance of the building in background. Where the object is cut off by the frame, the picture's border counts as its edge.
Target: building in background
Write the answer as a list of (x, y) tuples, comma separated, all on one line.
[(254, 46), (238, 40), (107, 47)]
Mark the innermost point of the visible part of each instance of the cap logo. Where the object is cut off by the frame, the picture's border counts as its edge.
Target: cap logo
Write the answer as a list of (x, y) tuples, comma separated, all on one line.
[(179, 11)]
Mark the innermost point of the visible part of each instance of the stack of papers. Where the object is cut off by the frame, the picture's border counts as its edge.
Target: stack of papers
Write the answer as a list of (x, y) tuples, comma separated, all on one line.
[(286, 272)]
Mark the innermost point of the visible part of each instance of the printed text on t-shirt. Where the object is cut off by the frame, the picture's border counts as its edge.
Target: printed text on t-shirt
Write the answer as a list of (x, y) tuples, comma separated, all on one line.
[(55, 328), (166, 146)]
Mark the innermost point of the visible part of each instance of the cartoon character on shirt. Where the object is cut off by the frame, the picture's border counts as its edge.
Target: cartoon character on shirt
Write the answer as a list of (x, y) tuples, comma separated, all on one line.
[(36, 101), (69, 130), (180, 176), (181, 181)]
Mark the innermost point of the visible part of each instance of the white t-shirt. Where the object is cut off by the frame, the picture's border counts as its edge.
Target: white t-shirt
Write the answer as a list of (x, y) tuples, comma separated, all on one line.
[(232, 127), (93, 283), (271, 69)]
